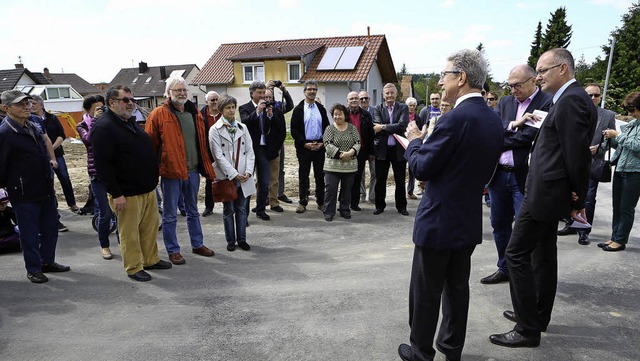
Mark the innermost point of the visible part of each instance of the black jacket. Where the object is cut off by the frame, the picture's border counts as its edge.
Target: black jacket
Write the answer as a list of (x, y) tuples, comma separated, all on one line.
[(275, 129), (297, 124), (124, 156), (54, 130), (366, 134)]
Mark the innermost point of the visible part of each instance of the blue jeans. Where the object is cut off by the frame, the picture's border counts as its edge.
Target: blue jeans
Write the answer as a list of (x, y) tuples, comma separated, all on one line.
[(624, 207), (235, 231), (104, 211), (171, 190), (506, 199), (65, 182), (590, 202), (38, 232)]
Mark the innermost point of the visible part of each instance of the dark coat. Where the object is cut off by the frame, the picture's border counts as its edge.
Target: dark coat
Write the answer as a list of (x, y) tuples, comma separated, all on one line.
[(297, 124), (561, 160), (366, 134), (399, 126), (520, 142), (456, 160), (275, 129), (54, 130)]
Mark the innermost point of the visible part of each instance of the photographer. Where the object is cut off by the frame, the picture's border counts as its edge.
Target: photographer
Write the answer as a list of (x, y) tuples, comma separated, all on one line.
[(286, 105)]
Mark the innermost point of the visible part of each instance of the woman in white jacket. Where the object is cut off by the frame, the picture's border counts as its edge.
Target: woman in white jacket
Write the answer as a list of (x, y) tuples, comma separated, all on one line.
[(229, 142)]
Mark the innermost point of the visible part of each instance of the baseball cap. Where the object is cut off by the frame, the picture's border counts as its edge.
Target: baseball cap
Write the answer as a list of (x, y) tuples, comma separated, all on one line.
[(13, 96), (3, 195)]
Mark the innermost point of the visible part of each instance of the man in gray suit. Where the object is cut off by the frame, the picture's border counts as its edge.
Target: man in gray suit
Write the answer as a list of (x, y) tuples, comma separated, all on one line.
[(606, 120)]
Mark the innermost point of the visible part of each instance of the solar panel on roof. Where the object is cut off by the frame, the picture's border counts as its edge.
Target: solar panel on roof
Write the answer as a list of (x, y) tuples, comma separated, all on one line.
[(330, 58), (349, 58)]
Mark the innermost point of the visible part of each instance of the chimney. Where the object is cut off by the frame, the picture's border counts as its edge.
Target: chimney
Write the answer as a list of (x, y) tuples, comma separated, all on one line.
[(279, 50), (46, 73), (19, 66), (142, 67), (368, 33), (163, 73)]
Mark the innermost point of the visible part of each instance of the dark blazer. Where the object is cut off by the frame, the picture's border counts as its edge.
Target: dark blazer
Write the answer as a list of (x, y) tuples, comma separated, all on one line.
[(275, 129), (366, 134), (606, 120), (520, 142), (456, 160), (399, 126), (297, 124), (560, 160)]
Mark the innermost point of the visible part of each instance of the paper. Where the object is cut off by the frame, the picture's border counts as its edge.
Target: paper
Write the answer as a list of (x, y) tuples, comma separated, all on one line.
[(578, 225), (404, 142), (541, 115), (249, 187)]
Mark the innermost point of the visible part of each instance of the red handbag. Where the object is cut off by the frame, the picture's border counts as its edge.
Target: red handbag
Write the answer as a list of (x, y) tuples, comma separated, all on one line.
[(224, 190)]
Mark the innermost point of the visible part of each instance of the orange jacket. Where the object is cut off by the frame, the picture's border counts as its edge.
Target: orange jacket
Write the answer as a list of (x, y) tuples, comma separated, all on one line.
[(165, 132)]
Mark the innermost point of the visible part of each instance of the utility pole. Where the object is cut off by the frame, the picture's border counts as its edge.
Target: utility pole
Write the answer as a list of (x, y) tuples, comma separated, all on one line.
[(606, 80)]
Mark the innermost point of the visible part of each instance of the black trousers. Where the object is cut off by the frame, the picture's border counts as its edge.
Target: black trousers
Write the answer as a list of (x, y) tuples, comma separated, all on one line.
[(307, 158), (437, 275), (208, 195), (355, 189), (399, 175), (533, 269)]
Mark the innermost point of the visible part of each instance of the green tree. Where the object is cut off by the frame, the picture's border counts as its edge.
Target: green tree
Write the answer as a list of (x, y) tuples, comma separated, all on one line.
[(535, 46), (558, 32)]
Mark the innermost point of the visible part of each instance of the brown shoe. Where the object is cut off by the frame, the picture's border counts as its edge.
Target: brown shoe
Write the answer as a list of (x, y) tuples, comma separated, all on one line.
[(176, 258), (301, 208), (203, 251)]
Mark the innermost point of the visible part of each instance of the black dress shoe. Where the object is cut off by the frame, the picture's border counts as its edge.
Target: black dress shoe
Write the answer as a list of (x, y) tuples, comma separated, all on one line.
[(603, 244), (328, 218), (514, 339), (37, 277), (356, 208), (377, 211), (608, 248), (567, 231), (497, 277), (54, 267), (404, 212), (244, 245), (277, 209), (254, 209), (182, 213), (345, 215), (262, 215), (140, 276), (231, 247), (160, 265), (207, 212), (510, 315), (404, 351), (583, 239), (284, 198)]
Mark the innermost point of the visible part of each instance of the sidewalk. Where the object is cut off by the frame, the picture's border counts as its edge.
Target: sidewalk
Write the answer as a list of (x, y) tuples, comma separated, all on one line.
[(307, 290)]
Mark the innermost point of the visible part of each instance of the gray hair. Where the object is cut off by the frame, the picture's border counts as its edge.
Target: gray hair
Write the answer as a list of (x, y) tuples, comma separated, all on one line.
[(411, 101), (210, 94), (472, 63), (114, 91), (38, 99), (562, 55), (309, 82), (171, 82), (256, 85), (226, 99)]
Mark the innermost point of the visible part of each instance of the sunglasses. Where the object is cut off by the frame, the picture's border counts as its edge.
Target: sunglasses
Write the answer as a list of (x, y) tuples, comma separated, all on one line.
[(126, 100), (364, 98), (595, 95), (492, 99)]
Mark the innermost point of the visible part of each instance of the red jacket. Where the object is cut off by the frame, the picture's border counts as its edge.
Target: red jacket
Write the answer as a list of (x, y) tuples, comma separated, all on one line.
[(165, 132)]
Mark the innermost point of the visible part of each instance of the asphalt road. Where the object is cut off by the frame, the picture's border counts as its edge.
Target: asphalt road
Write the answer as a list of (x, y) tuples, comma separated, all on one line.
[(307, 290)]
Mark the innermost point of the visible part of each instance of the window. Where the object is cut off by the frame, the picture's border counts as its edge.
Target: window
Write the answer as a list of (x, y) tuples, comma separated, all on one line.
[(53, 93), (148, 79), (134, 80), (293, 71), (252, 72), (64, 93)]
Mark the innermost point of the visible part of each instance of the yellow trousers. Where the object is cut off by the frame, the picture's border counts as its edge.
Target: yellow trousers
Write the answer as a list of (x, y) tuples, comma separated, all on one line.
[(274, 173)]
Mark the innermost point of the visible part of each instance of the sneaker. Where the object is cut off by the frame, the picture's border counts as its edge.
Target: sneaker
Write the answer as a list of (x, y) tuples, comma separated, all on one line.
[(62, 227), (301, 208), (106, 253), (37, 277)]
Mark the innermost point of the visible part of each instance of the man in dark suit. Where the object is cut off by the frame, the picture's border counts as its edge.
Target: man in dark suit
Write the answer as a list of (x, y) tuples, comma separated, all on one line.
[(308, 122), (255, 116), (456, 161), (606, 120), (361, 119), (390, 117), (556, 185), (506, 188)]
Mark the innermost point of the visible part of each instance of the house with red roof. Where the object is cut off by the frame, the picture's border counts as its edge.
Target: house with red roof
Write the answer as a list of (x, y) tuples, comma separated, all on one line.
[(339, 64)]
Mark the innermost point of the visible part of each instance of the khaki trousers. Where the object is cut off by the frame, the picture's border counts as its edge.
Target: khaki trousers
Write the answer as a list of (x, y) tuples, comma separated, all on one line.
[(274, 171), (138, 230)]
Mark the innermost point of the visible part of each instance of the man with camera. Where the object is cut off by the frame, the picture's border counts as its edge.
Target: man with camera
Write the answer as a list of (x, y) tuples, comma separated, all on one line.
[(265, 123), (286, 105), (276, 163)]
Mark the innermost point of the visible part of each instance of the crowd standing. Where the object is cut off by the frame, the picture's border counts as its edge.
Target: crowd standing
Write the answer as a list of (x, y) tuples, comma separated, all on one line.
[(532, 150)]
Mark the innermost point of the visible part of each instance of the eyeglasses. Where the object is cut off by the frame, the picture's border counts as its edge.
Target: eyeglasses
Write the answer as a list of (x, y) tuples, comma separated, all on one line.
[(432, 99), (444, 73), (491, 99), (180, 90), (213, 100), (542, 72), (517, 86), (126, 100), (364, 98), (311, 90), (595, 95)]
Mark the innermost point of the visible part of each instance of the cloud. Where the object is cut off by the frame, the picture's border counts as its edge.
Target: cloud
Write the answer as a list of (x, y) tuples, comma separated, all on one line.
[(446, 4), (618, 4)]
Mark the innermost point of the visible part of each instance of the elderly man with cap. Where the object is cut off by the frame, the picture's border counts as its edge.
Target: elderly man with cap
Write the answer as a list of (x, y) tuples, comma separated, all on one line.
[(25, 170)]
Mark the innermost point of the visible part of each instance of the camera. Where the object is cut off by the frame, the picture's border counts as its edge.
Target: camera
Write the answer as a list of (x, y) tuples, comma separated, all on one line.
[(268, 104), (277, 83)]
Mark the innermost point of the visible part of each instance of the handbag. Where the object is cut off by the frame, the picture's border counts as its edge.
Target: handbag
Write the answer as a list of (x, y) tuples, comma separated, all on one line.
[(601, 168), (224, 190)]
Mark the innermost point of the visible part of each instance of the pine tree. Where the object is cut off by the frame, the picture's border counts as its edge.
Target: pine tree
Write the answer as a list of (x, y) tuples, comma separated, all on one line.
[(558, 32), (535, 46)]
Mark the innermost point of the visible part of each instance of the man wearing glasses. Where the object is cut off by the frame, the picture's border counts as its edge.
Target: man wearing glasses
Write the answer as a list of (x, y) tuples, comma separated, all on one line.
[(127, 163), (606, 120), (365, 102), (506, 188), (178, 133), (210, 114), (25, 171), (556, 185)]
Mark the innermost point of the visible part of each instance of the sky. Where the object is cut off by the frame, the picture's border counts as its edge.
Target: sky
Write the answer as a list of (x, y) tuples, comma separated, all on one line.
[(96, 38)]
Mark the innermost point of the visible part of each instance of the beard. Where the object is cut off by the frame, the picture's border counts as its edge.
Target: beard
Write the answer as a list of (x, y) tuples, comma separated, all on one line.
[(180, 102)]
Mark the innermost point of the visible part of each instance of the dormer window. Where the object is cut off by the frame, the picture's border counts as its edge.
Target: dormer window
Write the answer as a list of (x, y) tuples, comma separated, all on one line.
[(252, 72)]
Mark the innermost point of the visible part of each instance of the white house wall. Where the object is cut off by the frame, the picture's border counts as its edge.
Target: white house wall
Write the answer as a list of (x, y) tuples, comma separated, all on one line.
[(374, 85)]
